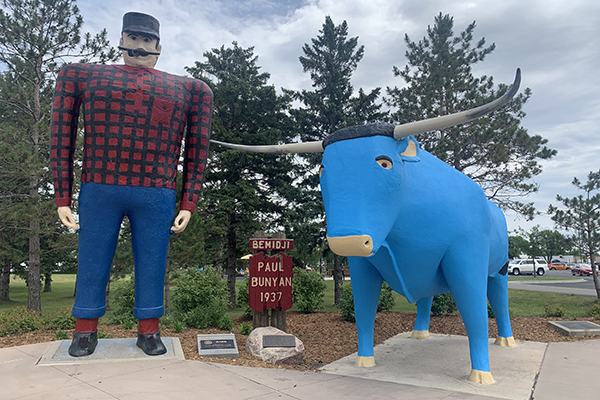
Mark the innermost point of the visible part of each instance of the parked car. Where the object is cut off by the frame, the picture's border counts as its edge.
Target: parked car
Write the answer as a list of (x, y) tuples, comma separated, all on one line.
[(527, 266), (582, 270), (558, 266)]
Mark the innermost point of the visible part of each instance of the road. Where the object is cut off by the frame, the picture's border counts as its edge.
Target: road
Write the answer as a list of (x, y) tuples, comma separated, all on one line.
[(583, 286)]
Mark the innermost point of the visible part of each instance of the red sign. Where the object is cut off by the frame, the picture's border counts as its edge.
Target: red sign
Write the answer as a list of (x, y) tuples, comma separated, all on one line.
[(271, 244), (270, 282)]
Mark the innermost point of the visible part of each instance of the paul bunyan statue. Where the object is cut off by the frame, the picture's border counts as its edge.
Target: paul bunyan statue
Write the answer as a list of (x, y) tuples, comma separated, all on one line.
[(135, 118)]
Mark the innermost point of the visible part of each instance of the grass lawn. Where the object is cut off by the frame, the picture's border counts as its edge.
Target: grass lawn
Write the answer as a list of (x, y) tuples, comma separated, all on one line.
[(521, 302)]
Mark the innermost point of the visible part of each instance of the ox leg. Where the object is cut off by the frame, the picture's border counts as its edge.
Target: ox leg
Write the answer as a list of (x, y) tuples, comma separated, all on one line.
[(470, 297), (421, 329), (366, 288), (498, 297)]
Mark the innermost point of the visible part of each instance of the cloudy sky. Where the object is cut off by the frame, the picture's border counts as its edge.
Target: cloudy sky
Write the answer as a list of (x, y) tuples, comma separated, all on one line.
[(556, 43)]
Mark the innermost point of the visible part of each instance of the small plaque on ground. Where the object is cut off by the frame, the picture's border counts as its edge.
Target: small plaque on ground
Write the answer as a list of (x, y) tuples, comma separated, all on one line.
[(576, 328), (279, 341), (217, 345)]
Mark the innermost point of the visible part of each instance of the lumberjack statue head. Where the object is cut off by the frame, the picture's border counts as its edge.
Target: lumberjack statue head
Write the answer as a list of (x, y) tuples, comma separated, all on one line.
[(140, 40)]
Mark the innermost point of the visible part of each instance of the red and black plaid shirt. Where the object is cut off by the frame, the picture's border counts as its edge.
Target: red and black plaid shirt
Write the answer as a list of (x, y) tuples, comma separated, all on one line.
[(134, 121)]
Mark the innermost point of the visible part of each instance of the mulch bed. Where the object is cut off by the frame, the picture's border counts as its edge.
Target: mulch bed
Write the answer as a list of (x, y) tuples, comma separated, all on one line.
[(326, 336)]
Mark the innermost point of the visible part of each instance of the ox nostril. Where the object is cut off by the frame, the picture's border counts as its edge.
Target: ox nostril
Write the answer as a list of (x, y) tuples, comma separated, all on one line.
[(367, 243)]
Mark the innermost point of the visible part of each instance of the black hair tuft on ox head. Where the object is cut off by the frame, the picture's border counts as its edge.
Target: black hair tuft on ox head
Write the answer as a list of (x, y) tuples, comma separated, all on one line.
[(359, 131)]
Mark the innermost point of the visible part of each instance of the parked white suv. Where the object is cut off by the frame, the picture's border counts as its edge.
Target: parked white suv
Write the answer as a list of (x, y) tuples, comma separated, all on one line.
[(527, 266)]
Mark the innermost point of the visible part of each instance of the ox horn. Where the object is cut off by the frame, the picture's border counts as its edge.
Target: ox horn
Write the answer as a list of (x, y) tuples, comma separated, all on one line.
[(446, 121), (400, 131)]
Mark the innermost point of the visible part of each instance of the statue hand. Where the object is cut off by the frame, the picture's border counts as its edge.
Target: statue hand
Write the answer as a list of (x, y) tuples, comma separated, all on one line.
[(181, 221), (67, 218)]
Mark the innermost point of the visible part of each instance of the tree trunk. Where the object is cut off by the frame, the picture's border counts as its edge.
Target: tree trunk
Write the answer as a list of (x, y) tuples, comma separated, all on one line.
[(34, 302), (260, 319), (108, 294), (279, 320), (5, 282), (337, 279), (167, 291), (48, 282), (594, 272), (231, 260)]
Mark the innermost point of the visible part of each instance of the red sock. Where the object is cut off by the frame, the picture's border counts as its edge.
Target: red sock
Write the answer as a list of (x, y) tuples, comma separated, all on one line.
[(147, 326), (86, 325)]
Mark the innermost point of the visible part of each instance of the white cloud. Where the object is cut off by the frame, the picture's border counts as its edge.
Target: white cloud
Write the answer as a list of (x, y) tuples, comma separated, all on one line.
[(555, 42)]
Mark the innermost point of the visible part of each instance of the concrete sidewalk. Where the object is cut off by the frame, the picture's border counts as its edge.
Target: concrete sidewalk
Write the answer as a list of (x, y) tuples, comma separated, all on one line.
[(407, 369)]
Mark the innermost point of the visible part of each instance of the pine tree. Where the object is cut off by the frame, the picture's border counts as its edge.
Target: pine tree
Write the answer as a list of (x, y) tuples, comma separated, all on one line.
[(581, 215), (494, 150), (243, 192), (35, 37), (331, 60)]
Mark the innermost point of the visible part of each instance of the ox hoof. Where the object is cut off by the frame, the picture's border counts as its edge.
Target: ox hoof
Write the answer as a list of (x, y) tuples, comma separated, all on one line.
[(480, 377), (365, 361), (420, 335), (505, 341)]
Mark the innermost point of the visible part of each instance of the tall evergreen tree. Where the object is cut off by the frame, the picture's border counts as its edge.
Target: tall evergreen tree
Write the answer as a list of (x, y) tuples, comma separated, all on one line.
[(243, 192), (331, 59), (581, 215), (36, 36), (494, 150)]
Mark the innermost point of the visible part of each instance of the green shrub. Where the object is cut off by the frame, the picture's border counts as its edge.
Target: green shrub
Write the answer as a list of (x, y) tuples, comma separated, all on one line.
[(594, 311), (242, 298), (443, 304), (127, 325), (490, 311), (123, 303), (62, 320), (245, 328), (178, 326), (104, 335), (200, 300), (61, 335), (346, 304), (557, 311), (308, 290), (18, 320), (386, 299)]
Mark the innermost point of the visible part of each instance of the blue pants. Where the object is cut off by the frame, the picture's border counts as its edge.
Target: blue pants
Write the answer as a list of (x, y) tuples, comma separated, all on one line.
[(151, 212)]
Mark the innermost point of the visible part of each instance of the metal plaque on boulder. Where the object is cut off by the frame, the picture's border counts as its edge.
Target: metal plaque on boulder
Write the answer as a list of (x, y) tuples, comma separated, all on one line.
[(217, 345), (279, 341)]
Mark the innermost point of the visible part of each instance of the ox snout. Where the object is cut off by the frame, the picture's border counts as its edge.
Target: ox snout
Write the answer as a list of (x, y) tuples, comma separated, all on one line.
[(351, 246)]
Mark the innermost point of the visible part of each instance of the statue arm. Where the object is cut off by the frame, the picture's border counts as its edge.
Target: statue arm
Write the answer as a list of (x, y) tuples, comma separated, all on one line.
[(68, 93), (196, 145)]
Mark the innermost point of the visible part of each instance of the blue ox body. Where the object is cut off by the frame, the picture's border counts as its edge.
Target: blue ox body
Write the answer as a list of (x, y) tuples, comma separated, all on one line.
[(403, 216)]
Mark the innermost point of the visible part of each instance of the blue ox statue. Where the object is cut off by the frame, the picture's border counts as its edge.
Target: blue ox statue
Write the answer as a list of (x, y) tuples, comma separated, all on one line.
[(403, 216)]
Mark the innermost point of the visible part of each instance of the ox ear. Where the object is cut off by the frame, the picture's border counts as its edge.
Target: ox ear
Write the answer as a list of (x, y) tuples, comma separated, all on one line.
[(409, 149)]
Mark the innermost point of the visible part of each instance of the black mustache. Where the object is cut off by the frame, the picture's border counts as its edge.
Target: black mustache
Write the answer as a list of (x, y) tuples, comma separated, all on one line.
[(138, 52)]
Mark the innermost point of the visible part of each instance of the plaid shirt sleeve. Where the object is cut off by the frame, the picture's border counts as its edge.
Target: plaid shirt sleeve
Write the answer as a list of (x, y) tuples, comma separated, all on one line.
[(70, 85), (196, 143)]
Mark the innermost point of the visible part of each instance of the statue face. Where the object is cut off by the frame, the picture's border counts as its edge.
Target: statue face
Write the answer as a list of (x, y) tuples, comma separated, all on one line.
[(137, 41)]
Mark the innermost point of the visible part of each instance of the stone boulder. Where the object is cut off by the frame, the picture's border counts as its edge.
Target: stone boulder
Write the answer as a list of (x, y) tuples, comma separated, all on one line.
[(274, 355)]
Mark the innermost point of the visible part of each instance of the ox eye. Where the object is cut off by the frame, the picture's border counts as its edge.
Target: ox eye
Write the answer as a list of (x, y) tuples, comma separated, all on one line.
[(385, 162), (320, 171)]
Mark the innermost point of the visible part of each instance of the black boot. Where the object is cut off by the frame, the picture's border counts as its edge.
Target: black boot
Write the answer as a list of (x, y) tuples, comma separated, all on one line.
[(151, 344), (83, 344)]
